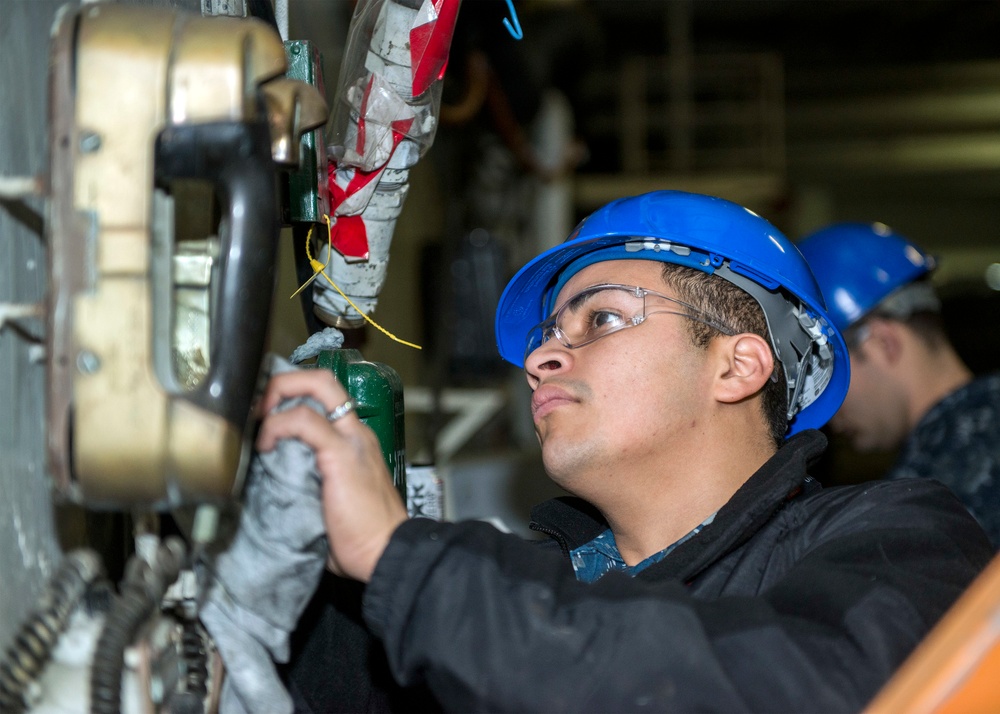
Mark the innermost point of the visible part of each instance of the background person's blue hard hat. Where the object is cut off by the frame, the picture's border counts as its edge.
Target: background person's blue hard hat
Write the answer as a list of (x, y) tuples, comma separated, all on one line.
[(717, 237), (859, 265)]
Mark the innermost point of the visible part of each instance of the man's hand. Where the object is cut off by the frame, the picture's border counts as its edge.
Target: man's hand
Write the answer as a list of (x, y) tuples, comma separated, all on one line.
[(361, 507)]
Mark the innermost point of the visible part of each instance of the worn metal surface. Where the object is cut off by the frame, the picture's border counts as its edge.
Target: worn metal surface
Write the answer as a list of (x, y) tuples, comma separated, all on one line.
[(29, 546), (135, 436), (308, 186)]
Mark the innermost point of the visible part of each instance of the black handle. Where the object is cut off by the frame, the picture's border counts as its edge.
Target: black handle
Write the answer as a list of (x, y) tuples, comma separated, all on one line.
[(236, 158)]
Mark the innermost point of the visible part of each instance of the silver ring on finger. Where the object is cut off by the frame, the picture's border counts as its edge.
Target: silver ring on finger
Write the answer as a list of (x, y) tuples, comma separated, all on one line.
[(340, 412)]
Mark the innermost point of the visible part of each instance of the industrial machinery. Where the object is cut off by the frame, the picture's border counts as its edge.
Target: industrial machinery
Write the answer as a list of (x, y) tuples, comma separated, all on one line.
[(179, 145), (182, 135)]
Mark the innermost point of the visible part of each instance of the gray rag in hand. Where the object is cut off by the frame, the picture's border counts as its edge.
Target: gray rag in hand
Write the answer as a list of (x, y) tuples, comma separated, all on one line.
[(257, 589)]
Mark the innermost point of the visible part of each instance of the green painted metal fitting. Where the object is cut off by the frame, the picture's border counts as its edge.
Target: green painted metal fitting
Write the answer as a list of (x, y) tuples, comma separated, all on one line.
[(308, 189), (377, 392)]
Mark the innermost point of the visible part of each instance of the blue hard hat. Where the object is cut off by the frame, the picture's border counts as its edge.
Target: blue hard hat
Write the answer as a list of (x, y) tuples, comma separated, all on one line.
[(717, 237), (858, 265)]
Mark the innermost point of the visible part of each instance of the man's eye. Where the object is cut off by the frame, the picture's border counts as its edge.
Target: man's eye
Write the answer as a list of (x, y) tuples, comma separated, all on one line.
[(602, 320)]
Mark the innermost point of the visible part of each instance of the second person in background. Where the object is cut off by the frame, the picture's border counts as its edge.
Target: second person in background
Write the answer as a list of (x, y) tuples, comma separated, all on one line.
[(910, 390)]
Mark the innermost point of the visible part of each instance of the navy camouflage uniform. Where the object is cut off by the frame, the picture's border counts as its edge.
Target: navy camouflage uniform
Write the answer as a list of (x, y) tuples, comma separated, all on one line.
[(958, 443)]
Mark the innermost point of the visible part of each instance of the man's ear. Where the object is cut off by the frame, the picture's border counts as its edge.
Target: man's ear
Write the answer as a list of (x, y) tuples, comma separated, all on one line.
[(884, 343), (746, 366)]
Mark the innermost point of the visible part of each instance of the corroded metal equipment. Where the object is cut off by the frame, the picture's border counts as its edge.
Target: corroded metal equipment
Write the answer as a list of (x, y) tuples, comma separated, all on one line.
[(165, 132)]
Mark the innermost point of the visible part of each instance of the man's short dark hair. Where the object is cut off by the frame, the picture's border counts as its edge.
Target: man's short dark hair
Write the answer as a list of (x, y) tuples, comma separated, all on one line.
[(731, 306), (926, 325)]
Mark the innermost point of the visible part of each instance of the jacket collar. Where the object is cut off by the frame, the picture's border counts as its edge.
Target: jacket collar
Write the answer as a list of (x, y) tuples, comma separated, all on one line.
[(572, 521)]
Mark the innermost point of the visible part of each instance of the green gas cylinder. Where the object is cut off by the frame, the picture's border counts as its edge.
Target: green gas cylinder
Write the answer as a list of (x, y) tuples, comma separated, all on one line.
[(377, 393)]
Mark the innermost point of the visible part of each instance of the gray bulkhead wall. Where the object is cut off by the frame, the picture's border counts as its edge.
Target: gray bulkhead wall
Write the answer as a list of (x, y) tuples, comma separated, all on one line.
[(28, 547)]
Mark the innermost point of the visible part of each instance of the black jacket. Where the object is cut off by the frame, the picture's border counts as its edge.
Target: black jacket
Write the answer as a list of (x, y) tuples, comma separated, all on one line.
[(795, 598)]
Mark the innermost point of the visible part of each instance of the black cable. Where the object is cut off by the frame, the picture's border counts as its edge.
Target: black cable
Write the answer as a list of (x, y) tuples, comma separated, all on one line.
[(140, 594)]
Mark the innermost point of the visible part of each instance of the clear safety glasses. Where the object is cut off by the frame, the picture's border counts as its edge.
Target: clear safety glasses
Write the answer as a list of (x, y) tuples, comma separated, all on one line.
[(601, 310)]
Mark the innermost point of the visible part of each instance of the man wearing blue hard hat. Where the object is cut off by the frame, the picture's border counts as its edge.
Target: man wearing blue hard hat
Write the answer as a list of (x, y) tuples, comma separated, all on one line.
[(910, 390), (680, 359)]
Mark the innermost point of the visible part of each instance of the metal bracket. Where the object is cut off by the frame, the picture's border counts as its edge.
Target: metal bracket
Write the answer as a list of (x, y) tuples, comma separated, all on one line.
[(13, 191), (11, 313)]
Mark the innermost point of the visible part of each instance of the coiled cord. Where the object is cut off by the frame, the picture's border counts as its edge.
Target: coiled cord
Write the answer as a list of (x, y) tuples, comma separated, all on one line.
[(195, 659), (141, 590), (34, 642)]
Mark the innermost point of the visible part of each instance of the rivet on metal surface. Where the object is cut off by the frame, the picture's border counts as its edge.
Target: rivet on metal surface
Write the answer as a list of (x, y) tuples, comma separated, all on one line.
[(87, 362), (89, 142)]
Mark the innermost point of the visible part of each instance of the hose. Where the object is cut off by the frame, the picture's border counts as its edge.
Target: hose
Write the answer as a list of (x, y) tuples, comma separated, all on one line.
[(34, 642), (139, 596)]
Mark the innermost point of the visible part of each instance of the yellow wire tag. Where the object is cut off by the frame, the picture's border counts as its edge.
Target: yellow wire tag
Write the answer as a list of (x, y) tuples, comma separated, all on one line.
[(320, 269)]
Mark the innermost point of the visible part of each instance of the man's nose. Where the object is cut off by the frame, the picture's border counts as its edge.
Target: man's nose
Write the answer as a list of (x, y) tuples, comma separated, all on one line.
[(545, 360)]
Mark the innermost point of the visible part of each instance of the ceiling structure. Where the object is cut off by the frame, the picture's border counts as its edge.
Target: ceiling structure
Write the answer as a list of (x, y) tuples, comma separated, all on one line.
[(809, 111), (903, 91), (885, 110), (882, 98)]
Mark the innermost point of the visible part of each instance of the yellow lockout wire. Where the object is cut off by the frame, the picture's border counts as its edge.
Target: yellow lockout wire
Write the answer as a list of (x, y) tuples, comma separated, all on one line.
[(320, 269)]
